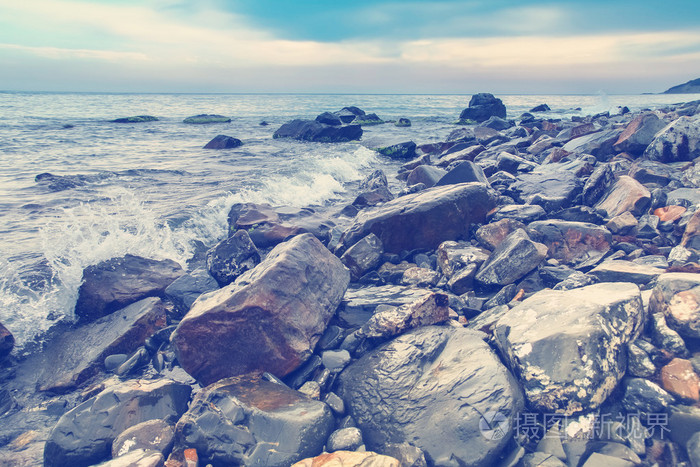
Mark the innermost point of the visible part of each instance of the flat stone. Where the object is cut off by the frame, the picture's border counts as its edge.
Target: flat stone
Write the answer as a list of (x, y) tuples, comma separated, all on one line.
[(359, 304), (153, 435), (599, 144), (625, 271), (349, 459)]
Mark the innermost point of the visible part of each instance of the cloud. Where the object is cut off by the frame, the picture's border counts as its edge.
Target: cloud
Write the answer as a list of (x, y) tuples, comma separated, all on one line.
[(56, 53)]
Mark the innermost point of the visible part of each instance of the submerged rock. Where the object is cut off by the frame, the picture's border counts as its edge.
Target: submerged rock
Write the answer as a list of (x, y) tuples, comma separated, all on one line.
[(438, 388), (206, 118), (223, 142), (587, 328), (310, 130), (136, 119), (274, 313)]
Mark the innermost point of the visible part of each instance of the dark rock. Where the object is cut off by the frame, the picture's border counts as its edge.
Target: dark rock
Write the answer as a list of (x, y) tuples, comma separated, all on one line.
[(627, 194), (491, 235), (274, 313), (247, 215), (78, 354), (373, 197), (625, 271), (359, 305), (576, 244), (677, 296), (206, 118), (553, 186), (349, 459), (512, 259), (647, 226), (118, 282), (540, 108), (586, 328), (136, 119), (600, 144), (309, 130), (483, 106), (232, 257), (329, 119), (223, 142), (638, 362), (424, 219), (186, 289), (363, 256), (243, 421), (433, 386), (693, 448), (453, 257), (467, 154), (645, 397), (580, 214), (367, 120), (403, 122), (345, 439), (427, 175), (376, 179), (519, 212), (678, 141), (463, 172), (513, 164), (401, 151), (598, 184), (497, 123), (84, 435), (335, 360), (348, 114), (665, 337), (154, 435), (639, 133), (541, 459), (7, 342)]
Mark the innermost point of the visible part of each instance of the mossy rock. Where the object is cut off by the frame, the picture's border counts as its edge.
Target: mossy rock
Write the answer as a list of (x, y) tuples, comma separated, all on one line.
[(136, 119), (206, 118), (368, 120), (466, 121)]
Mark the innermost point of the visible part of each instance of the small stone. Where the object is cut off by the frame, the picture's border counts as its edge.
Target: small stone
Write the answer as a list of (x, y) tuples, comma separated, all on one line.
[(679, 378), (420, 277), (335, 403), (513, 258), (113, 362), (643, 396), (311, 389), (345, 439), (622, 224), (638, 362), (363, 256), (335, 360)]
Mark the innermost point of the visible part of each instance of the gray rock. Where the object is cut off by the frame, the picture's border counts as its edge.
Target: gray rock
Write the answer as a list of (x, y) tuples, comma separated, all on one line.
[(677, 296), (600, 144), (427, 175), (541, 459), (512, 259), (455, 256), (232, 257), (310, 130), (463, 172), (335, 360), (84, 435), (587, 328), (358, 305), (601, 460), (519, 212), (693, 448), (274, 313), (345, 439), (576, 244), (552, 186), (420, 277), (639, 133), (203, 119), (433, 386), (186, 289), (622, 224), (376, 179), (242, 421), (363, 256), (625, 271), (483, 106), (644, 397), (154, 435), (336, 404), (574, 281), (597, 184), (678, 141), (665, 337), (638, 362), (223, 142)]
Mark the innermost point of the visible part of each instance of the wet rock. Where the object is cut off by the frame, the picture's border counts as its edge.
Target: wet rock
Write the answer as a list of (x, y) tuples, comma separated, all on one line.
[(678, 141), (401, 151), (136, 458), (424, 219), (685, 197), (78, 354), (693, 448), (646, 171), (202, 119), (136, 119), (626, 195), (597, 184), (349, 459), (491, 235), (678, 377), (7, 342), (664, 336), (553, 186), (311, 389), (513, 164), (669, 213), (587, 328), (576, 244), (599, 144), (84, 435), (622, 224), (373, 197), (359, 305), (367, 120), (519, 212), (677, 296), (454, 256), (403, 122), (335, 360), (625, 271), (232, 257), (467, 153), (540, 108), (425, 174), (639, 133), (497, 123), (376, 179), (274, 313), (512, 259), (431, 386), (345, 439), (329, 119), (247, 215), (645, 397), (335, 403), (420, 277), (309, 130), (483, 106), (348, 114), (113, 284), (691, 235), (243, 421), (186, 289), (153, 435), (463, 172), (223, 142), (638, 362), (541, 459), (363, 256)]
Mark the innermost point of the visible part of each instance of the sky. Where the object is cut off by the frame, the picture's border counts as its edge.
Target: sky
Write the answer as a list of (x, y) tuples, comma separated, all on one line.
[(349, 46)]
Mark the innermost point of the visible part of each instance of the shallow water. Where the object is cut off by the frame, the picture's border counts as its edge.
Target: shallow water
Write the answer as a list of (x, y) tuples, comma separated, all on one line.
[(150, 189)]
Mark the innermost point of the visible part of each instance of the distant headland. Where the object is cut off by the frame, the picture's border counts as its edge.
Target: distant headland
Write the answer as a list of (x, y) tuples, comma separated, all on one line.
[(692, 86)]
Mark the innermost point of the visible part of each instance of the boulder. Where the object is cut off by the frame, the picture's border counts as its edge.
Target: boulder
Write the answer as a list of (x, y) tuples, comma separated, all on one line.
[(627, 194), (401, 151), (232, 257), (377, 179), (440, 388), (151, 435), (136, 119), (310, 130), (553, 186), (576, 244), (678, 141), (7, 342), (639, 133), (348, 114), (420, 277), (599, 144), (329, 119), (428, 175), (84, 435), (483, 106), (202, 119), (587, 328), (424, 219), (246, 421), (223, 142), (186, 289), (497, 123), (113, 284), (367, 120), (363, 256), (247, 215), (274, 313), (77, 354), (677, 296), (540, 108), (491, 235), (463, 172), (349, 459), (511, 260)]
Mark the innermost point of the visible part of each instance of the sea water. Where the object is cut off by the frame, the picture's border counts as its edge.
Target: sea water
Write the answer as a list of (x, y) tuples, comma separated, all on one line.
[(150, 189)]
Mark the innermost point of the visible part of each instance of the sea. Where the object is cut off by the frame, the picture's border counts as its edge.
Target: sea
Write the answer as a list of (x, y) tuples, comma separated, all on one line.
[(150, 189)]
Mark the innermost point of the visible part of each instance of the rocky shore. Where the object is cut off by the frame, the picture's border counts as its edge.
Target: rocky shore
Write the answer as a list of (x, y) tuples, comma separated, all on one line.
[(530, 297)]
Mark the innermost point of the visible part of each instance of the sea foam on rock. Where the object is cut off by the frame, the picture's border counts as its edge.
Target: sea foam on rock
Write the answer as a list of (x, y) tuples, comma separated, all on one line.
[(273, 314)]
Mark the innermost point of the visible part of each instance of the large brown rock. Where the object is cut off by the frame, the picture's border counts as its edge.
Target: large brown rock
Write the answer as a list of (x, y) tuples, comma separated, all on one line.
[(113, 284), (269, 319), (424, 219), (626, 195)]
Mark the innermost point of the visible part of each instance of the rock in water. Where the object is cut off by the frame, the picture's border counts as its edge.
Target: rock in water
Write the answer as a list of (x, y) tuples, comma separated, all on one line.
[(118, 282), (269, 319), (677, 296), (223, 142), (84, 435), (202, 119), (310, 130), (433, 387), (586, 329), (136, 119), (483, 106), (7, 342), (243, 421), (424, 219)]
